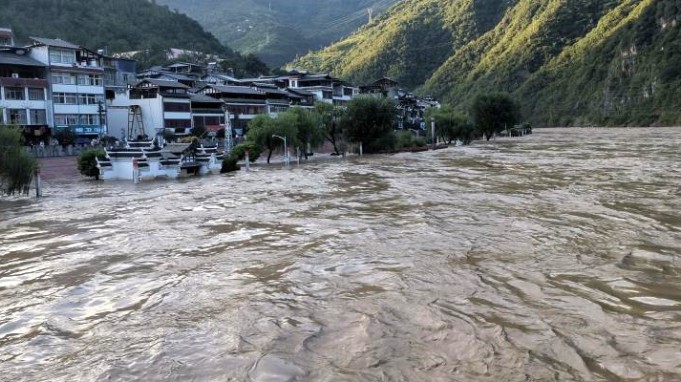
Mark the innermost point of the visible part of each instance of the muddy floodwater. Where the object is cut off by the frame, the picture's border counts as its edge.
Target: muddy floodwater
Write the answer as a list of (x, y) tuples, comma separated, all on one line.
[(554, 257)]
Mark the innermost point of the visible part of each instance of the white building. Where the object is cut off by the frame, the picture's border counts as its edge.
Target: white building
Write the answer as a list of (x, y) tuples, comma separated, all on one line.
[(23, 93), (163, 105), (76, 87)]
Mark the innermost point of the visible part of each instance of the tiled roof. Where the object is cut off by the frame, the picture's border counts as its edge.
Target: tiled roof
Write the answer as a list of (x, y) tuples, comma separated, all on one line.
[(235, 89), (163, 83), (57, 42), (202, 98), (8, 58)]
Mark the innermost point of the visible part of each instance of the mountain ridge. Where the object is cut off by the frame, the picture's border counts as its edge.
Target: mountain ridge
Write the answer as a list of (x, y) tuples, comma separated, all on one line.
[(277, 31), (568, 62)]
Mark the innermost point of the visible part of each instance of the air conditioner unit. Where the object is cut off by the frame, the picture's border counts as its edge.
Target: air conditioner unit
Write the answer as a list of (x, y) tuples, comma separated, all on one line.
[(15, 75)]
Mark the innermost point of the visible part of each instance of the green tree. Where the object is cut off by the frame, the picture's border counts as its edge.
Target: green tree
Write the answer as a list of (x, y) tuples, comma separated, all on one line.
[(65, 137), (308, 129), (329, 118), (87, 162), (16, 165), (239, 151), (262, 128), (449, 124), (370, 120), (494, 112)]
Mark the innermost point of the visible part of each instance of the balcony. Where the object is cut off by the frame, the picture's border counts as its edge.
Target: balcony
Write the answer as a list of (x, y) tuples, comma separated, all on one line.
[(24, 82)]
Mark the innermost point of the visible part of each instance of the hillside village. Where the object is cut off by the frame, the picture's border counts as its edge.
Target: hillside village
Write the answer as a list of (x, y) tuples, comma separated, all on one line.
[(51, 85)]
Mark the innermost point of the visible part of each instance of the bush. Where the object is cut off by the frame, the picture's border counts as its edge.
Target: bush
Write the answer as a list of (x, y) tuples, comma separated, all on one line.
[(16, 165), (229, 164), (403, 139), (65, 137), (169, 136), (254, 151), (87, 162)]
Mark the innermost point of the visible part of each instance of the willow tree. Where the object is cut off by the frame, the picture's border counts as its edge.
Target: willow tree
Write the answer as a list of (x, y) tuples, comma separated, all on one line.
[(494, 112), (329, 118), (370, 121), (16, 165)]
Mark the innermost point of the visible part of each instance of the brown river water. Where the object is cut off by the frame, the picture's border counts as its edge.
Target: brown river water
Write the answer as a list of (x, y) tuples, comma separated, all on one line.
[(554, 257)]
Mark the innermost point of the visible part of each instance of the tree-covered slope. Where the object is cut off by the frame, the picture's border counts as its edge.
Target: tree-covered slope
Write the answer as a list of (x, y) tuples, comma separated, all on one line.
[(120, 25), (607, 62), (277, 31)]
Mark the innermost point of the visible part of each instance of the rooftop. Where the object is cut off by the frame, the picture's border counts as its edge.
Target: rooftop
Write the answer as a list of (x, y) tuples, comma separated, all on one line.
[(202, 98), (162, 83), (235, 89), (56, 42), (10, 56)]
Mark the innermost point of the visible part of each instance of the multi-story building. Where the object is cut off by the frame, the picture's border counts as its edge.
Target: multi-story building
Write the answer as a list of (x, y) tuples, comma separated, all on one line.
[(24, 93), (76, 86), (23, 90), (157, 106), (118, 74), (246, 102), (242, 102), (208, 112), (323, 86)]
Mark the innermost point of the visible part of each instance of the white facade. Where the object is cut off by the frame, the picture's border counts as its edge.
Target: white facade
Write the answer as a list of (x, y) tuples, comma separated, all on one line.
[(158, 112), (76, 90)]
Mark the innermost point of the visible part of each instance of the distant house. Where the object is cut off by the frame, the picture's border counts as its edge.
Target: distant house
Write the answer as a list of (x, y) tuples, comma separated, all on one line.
[(242, 102), (324, 87), (6, 37), (208, 112), (384, 86)]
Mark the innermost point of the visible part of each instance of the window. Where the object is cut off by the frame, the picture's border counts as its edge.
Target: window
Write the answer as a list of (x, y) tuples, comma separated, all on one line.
[(64, 78), (36, 94), (65, 98), (38, 117), (178, 123), (176, 107), (16, 94), (90, 99), (17, 116), (62, 56), (89, 119), (65, 119), (90, 80), (200, 121)]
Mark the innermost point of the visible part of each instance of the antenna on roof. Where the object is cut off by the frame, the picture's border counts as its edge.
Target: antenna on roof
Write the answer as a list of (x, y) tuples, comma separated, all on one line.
[(371, 14)]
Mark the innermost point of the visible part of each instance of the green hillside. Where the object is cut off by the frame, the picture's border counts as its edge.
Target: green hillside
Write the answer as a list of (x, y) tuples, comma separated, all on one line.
[(121, 25), (569, 62), (278, 31)]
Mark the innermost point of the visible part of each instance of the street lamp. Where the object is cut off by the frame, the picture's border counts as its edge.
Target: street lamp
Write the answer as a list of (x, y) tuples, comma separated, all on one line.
[(432, 131), (286, 159)]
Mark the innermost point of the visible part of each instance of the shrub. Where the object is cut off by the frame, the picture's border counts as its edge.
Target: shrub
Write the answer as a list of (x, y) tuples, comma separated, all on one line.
[(254, 151), (229, 164), (87, 162)]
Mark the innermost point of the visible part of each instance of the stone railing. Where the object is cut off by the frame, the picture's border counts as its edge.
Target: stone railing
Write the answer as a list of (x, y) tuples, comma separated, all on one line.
[(52, 151)]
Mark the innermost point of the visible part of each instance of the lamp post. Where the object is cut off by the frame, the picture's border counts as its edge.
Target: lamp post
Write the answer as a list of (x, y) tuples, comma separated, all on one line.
[(432, 131), (100, 109), (286, 159)]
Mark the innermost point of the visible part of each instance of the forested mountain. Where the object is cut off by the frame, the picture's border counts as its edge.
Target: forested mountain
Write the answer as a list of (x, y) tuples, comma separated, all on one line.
[(278, 30), (120, 25), (568, 62)]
